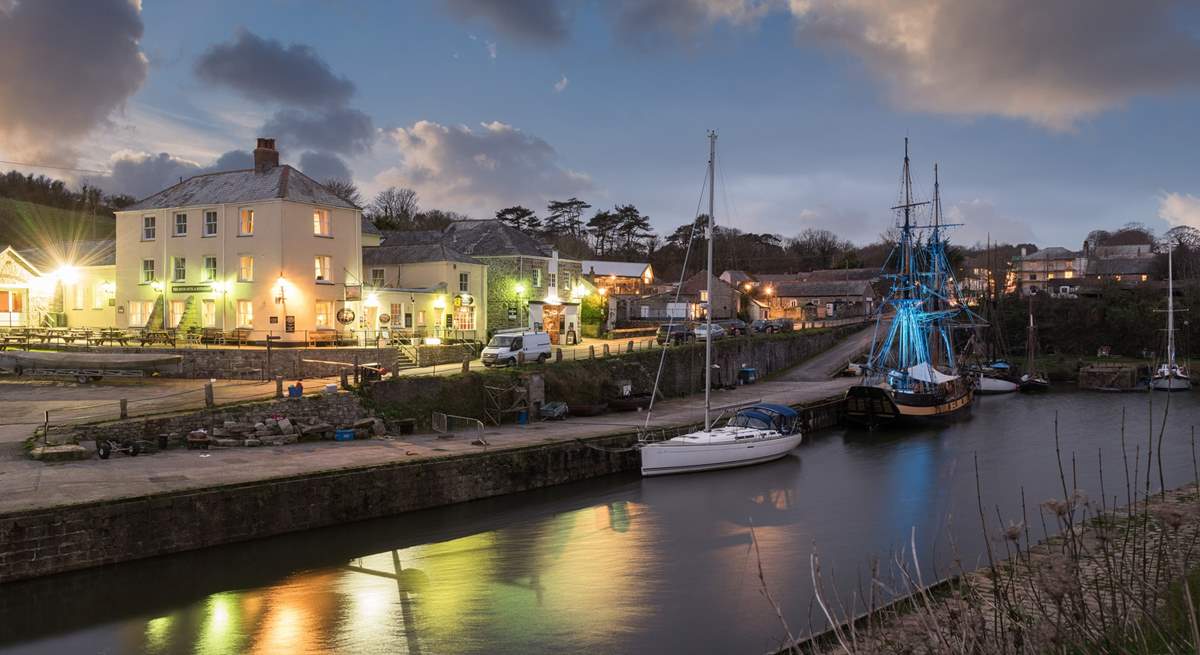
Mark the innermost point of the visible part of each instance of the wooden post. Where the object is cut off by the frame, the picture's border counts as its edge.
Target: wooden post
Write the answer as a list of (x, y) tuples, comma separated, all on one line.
[(279, 386), (466, 363), (629, 348), (606, 351), (558, 354), (124, 408), (345, 380), (592, 351), (208, 395)]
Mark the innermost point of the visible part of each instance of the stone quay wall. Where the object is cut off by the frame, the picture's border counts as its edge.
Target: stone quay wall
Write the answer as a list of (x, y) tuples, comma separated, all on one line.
[(240, 363)]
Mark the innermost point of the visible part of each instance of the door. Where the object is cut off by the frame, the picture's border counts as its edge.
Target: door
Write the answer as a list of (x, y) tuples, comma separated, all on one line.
[(551, 318)]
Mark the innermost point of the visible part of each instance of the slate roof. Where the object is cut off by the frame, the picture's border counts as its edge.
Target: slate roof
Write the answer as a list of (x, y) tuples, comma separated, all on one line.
[(412, 237), (245, 185), (1121, 266), (368, 226), (1053, 252), (823, 289), (737, 277), (491, 238), (414, 254), (99, 252), (697, 283), (619, 269)]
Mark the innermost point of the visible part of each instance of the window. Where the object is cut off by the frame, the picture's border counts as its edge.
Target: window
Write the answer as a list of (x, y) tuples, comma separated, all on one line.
[(100, 295), (245, 268), (10, 301), (78, 296), (464, 282), (245, 313), (408, 320), (139, 312), (537, 277), (176, 313), (322, 264), (321, 222), (148, 274), (181, 225), (179, 269), (464, 318), (377, 277), (148, 229), (246, 222), (703, 295), (210, 268), (421, 318), (324, 313), (210, 223), (396, 309), (554, 280), (208, 313)]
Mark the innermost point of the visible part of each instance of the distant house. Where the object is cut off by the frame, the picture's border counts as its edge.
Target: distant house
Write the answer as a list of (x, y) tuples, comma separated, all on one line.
[(423, 290), (817, 300), (689, 304), (740, 279), (619, 278), (1126, 270), (1046, 268)]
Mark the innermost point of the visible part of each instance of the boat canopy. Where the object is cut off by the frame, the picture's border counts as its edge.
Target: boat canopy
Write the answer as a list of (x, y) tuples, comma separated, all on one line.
[(782, 410), (927, 373)]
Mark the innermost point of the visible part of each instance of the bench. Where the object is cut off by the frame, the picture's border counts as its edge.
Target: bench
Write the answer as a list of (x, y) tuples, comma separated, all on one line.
[(323, 338)]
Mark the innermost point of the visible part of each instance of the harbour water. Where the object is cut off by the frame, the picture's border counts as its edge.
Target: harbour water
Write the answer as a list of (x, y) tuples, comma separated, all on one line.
[(620, 564)]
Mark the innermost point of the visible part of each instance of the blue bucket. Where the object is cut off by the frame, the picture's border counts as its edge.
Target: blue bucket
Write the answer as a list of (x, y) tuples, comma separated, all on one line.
[(344, 434), (523, 417)]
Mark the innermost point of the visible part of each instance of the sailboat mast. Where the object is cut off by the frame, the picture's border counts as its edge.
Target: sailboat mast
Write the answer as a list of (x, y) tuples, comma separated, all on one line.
[(1170, 311), (708, 310)]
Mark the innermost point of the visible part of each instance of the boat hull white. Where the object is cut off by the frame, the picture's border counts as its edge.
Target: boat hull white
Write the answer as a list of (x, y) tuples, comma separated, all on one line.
[(1171, 383), (668, 457), (988, 385)]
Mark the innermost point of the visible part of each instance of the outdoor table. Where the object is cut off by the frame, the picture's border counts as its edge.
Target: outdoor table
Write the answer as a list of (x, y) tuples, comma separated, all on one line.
[(112, 336), (164, 337)]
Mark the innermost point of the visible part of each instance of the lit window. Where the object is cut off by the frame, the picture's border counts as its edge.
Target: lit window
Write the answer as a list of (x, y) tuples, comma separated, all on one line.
[(1144, 278), (396, 308), (179, 273), (421, 317), (208, 313), (464, 318), (245, 268), (246, 224), (703, 295), (139, 312), (210, 268), (537, 277), (324, 312), (554, 280), (322, 264), (148, 274), (180, 225), (210, 223), (78, 296), (245, 313), (176, 313), (377, 277), (464, 282), (148, 228), (321, 222), (1069, 274), (100, 295)]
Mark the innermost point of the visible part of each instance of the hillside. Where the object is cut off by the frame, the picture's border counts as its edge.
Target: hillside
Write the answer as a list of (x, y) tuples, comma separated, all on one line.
[(27, 225)]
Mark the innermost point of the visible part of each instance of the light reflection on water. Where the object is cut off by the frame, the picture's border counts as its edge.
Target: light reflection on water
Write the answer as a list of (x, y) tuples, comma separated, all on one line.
[(613, 565)]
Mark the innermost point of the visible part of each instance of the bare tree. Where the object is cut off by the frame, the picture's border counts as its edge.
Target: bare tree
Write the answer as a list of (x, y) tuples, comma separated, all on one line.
[(394, 208), (344, 189)]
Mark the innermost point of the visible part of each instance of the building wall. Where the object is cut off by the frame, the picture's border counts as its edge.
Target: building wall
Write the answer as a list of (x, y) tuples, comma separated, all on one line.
[(283, 246), (89, 300), (508, 309)]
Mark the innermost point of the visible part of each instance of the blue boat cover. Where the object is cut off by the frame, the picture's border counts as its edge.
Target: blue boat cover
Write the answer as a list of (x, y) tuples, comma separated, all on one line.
[(782, 410)]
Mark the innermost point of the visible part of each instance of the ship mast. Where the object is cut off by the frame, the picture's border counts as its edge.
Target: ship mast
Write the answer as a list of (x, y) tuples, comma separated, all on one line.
[(710, 229), (1170, 312)]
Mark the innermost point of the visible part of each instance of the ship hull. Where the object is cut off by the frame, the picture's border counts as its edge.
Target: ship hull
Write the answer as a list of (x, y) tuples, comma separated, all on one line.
[(876, 407)]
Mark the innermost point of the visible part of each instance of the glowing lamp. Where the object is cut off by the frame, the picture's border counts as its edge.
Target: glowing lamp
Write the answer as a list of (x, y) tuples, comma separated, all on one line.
[(439, 303), (158, 286), (372, 300), (67, 274), (519, 288), (579, 291), (603, 291)]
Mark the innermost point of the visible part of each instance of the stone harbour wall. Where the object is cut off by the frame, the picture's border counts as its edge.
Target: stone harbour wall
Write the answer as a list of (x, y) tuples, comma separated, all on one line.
[(253, 363)]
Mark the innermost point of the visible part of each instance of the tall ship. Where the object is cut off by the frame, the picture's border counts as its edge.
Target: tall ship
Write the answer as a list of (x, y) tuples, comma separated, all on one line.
[(912, 372)]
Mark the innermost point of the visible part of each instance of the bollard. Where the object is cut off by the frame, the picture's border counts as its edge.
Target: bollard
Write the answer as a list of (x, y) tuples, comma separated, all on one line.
[(629, 348), (279, 386), (345, 380), (124, 408), (466, 364), (208, 394), (558, 355), (592, 352), (521, 357), (606, 350)]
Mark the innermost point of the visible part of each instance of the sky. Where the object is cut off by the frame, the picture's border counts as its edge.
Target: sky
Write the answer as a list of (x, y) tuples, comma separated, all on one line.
[(1047, 120)]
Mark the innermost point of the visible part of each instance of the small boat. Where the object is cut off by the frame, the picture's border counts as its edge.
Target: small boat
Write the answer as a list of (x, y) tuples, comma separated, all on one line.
[(989, 384), (1032, 380), (755, 434), (1171, 375)]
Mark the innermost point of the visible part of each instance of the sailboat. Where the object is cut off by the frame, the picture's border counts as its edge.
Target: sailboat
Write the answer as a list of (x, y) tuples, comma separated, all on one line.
[(1032, 379), (1171, 375), (992, 375), (754, 434), (911, 372)]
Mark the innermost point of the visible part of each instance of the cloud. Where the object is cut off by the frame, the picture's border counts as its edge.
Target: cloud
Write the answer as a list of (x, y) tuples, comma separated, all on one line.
[(491, 49), (64, 68), (479, 170), (141, 174), (1179, 209), (322, 166), (981, 221), (342, 130), (561, 85), (539, 21), (645, 20), (1051, 63), (265, 69)]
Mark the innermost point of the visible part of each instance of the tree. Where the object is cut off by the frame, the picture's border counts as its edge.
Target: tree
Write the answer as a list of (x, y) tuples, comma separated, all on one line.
[(344, 189), (602, 227), (436, 219), (394, 208), (522, 218), (631, 226), (566, 215)]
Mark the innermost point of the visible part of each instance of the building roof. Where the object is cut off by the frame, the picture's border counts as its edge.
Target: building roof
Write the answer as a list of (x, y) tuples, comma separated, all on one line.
[(619, 269), (246, 185), (492, 238), (414, 254), (698, 283), (776, 278), (1121, 266), (412, 237), (100, 252), (737, 277), (864, 274), (823, 288), (368, 227), (1052, 252)]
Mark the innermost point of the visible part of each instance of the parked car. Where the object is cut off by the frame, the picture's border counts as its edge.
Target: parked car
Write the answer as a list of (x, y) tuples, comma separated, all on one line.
[(735, 326), (783, 324), (505, 347), (702, 331), (674, 334), (771, 326)]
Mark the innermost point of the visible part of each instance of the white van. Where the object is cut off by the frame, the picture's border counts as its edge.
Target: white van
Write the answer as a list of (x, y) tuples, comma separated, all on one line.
[(505, 346)]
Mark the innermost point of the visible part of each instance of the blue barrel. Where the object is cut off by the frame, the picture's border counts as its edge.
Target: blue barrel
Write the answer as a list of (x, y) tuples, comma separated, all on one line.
[(523, 417), (344, 434)]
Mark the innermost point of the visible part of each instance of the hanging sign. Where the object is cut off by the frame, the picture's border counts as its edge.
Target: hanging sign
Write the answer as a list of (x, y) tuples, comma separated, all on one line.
[(345, 316), (353, 293), (191, 288), (289, 324), (385, 318), (464, 300)]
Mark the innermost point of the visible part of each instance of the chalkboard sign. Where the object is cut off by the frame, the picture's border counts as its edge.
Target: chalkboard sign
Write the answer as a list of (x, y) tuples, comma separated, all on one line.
[(289, 324)]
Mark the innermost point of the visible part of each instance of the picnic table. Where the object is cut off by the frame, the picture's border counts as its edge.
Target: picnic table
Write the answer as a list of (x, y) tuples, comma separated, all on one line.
[(14, 338), (112, 336), (151, 337)]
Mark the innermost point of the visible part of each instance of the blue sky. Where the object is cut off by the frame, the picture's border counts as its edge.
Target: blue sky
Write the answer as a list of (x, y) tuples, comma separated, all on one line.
[(1046, 123)]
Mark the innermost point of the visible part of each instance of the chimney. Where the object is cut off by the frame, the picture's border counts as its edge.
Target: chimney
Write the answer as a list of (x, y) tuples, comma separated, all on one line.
[(266, 156)]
